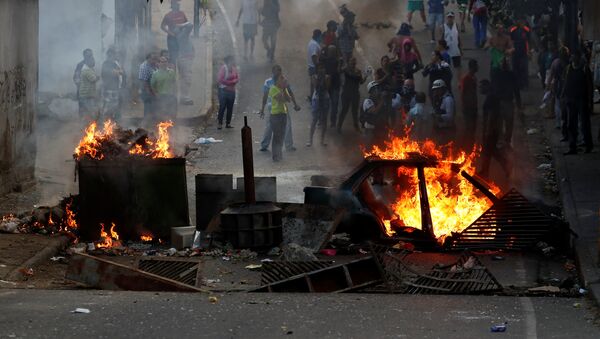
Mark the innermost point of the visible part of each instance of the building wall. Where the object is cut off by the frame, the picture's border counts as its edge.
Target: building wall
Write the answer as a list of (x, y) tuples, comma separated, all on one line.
[(18, 88), (67, 27)]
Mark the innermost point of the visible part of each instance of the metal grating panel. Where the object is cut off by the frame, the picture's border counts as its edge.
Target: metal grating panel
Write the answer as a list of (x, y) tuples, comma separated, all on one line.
[(280, 270), (511, 223), (178, 269), (451, 279)]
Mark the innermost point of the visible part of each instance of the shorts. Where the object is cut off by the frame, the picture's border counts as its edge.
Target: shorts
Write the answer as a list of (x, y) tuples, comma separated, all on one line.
[(250, 31), (462, 6), (415, 5), (436, 19), (312, 71)]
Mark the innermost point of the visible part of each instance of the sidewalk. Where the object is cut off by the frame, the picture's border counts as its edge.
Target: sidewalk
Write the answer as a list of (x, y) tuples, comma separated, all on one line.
[(578, 178), (202, 78)]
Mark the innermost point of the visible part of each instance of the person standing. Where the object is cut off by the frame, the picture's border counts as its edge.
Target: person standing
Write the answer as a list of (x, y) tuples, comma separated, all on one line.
[(266, 140), (444, 109), (347, 35), (519, 34), (164, 86), (169, 25), (330, 35), (228, 78), (396, 44), (556, 82), (480, 21), (468, 93), (578, 98), (113, 82), (279, 98), (353, 78), (249, 15), (87, 54), (314, 52), (413, 6), (452, 37), (319, 103), (88, 105), (437, 69), (271, 24), (492, 125), (333, 68), (504, 86), (436, 16), (146, 70), (185, 62)]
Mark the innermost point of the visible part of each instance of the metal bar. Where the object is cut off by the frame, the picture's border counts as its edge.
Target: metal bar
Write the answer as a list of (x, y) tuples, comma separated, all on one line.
[(426, 222), (481, 187), (248, 158), (104, 274)]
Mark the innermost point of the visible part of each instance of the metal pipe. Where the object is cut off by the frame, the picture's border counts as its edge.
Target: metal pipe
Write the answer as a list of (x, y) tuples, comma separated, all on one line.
[(426, 222), (480, 186), (248, 159)]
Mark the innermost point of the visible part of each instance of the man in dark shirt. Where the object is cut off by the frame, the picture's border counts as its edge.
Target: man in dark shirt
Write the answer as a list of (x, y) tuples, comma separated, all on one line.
[(503, 85), (113, 80), (468, 94), (520, 37), (492, 125), (333, 67), (578, 98), (353, 78)]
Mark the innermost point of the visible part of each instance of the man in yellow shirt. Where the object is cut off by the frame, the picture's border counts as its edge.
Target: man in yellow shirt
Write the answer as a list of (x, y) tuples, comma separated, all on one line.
[(279, 98)]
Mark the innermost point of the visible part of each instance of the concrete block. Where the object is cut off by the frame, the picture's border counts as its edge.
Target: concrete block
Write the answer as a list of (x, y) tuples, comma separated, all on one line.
[(182, 237)]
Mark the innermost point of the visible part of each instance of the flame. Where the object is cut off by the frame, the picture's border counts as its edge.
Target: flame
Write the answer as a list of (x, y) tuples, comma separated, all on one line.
[(159, 148), (454, 202), (50, 221), (146, 238), (93, 139), (70, 222), (108, 241)]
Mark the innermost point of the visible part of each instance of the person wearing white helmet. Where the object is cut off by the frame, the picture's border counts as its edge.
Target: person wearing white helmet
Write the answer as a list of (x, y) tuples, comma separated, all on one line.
[(444, 108)]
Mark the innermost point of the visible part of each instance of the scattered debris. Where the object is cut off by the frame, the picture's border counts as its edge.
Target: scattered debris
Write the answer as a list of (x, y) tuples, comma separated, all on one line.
[(532, 131), (275, 271), (499, 328), (57, 258), (544, 166), (9, 224), (206, 141), (26, 271), (253, 267), (330, 252), (81, 310), (545, 289), (213, 299), (577, 305), (295, 252), (8, 282)]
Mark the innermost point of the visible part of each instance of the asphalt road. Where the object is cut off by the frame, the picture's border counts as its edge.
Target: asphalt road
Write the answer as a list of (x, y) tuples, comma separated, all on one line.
[(47, 314)]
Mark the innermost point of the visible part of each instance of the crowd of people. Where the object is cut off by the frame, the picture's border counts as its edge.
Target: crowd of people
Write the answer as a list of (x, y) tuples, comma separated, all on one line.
[(164, 77)]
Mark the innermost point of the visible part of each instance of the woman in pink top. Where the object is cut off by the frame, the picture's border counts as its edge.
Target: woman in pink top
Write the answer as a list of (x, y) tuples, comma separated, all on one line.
[(228, 77)]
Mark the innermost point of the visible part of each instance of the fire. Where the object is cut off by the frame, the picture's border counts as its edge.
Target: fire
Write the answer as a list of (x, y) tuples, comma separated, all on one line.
[(146, 238), (108, 241), (70, 222), (93, 139), (159, 148), (99, 144), (454, 202)]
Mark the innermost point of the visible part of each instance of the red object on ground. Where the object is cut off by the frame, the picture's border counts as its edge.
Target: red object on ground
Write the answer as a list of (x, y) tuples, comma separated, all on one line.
[(329, 252)]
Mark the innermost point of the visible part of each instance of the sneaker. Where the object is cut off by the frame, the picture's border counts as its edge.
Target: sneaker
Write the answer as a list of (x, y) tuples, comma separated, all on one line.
[(263, 149), (291, 149), (220, 126), (309, 144), (228, 126)]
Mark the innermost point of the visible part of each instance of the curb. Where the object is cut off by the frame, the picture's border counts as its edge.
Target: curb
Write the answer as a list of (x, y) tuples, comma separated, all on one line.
[(584, 256), (43, 255)]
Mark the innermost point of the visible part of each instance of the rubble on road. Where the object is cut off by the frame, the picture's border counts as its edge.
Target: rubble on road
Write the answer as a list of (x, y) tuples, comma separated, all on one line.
[(295, 252)]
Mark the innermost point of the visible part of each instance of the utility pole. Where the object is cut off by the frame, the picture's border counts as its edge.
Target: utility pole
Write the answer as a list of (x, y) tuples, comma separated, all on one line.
[(571, 23)]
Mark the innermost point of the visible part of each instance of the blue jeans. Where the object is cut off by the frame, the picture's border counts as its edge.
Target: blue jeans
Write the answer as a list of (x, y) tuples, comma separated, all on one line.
[(266, 140), (226, 101), (480, 28)]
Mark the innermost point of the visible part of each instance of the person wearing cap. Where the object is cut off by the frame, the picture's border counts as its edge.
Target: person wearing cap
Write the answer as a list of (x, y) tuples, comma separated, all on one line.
[(452, 37), (113, 82), (373, 115), (413, 6), (436, 16), (437, 69), (444, 109)]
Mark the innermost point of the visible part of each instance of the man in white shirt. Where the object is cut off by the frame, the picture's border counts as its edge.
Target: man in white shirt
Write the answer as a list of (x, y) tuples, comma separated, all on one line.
[(249, 15), (451, 35), (444, 105), (314, 50)]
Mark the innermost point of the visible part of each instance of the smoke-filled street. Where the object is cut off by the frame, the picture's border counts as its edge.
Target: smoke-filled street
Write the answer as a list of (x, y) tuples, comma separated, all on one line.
[(307, 168)]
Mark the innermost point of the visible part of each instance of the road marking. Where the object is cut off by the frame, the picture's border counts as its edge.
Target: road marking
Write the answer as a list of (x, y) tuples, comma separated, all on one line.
[(358, 48), (530, 319)]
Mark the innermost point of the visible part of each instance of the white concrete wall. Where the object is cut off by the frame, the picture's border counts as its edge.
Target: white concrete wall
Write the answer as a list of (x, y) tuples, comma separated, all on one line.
[(18, 88)]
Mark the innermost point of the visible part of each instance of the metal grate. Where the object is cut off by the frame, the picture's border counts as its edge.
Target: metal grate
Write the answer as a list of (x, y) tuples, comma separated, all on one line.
[(450, 279), (511, 223), (280, 270), (179, 269)]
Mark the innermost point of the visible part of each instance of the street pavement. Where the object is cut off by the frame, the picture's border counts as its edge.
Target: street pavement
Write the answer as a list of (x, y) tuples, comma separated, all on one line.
[(47, 314)]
